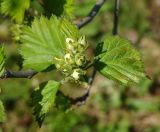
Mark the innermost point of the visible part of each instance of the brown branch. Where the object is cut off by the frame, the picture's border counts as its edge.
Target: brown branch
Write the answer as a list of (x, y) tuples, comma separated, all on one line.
[(18, 74), (31, 73), (116, 15), (82, 99), (91, 14)]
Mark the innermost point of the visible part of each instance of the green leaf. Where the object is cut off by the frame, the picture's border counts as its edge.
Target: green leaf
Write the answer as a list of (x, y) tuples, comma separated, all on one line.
[(2, 61), (2, 112), (15, 8), (43, 99), (68, 8), (42, 42), (69, 30), (116, 59)]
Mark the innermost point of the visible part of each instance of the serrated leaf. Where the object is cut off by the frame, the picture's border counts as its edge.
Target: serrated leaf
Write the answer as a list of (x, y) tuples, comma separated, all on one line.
[(2, 112), (69, 30), (2, 61), (43, 99), (42, 42), (15, 8), (117, 59)]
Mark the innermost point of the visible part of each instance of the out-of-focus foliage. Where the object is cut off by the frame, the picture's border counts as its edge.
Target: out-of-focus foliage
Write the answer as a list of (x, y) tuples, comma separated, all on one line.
[(110, 107), (15, 8)]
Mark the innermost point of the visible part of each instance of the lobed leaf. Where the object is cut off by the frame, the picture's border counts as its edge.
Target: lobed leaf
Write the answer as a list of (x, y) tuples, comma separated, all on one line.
[(15, 8), (118, 60), (2, 61), (69, 30), (41, 43), (43, 99)]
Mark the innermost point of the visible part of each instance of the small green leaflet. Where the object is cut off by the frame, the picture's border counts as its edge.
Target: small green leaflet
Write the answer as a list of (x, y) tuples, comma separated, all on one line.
[(2, 61), (2, 112), (15, 8), (116, 59), (43, 99)]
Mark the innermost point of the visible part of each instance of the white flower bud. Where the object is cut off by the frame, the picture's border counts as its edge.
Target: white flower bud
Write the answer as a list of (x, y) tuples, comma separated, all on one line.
[(58, 66), (75, 74), (67, 56), (69, 40), (70, 45), (82, 40), (79, 59)]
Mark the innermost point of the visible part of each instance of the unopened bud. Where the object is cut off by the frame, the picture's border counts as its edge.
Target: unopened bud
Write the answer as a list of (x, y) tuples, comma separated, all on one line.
[(75, 74), (82, 40), (69, 40)]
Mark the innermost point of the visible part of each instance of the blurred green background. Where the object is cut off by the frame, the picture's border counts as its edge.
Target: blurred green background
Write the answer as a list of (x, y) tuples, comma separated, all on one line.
[(110, 107)]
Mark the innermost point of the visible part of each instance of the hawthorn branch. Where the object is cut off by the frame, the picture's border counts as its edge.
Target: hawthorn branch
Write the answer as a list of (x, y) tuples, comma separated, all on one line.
[(81, 100), (18, 74), (116, 16), (31, 73), (91, 14)]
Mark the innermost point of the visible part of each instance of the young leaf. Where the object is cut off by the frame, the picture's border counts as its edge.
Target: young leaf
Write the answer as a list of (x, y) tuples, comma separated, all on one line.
[(2, 112), (69, 30), (41, 43), (118, 60), (15, 8), (58, 7), (43, 99), (2, 61)]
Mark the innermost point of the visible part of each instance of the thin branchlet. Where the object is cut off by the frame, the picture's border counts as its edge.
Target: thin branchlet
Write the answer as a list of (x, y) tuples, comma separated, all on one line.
[(91, 14), (31, 73), (82, 99), (18, 74), (116, 16)]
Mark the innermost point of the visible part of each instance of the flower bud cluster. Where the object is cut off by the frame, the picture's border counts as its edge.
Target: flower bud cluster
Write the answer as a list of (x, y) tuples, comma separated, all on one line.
[(74, 60)]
